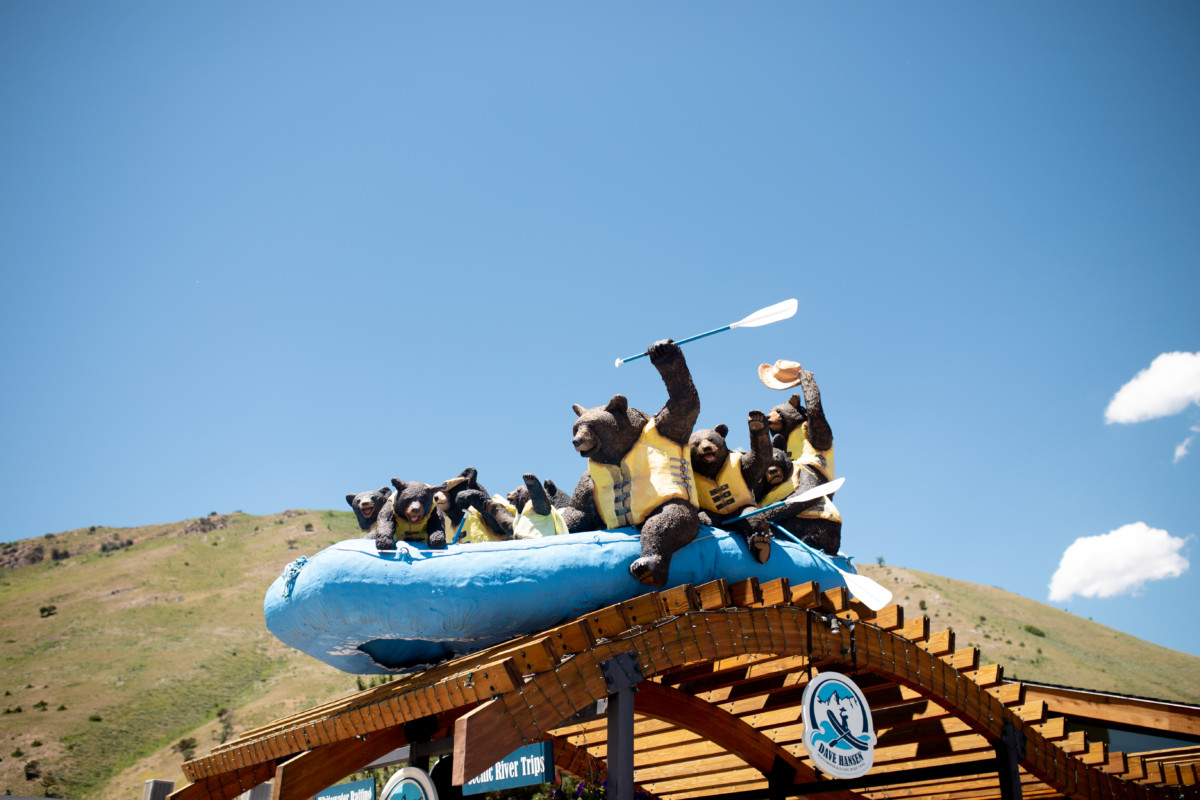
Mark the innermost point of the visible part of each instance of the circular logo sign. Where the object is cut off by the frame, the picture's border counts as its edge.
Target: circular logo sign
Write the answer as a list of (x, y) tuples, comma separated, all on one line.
[(409, 783), (838, 733)]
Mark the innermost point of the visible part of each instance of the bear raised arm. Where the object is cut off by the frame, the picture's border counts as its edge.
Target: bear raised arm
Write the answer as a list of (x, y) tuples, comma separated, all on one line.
[(639, 473)]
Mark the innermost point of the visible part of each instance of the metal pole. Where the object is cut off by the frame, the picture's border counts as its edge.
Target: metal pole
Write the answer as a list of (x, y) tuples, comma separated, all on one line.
[(620, 745)]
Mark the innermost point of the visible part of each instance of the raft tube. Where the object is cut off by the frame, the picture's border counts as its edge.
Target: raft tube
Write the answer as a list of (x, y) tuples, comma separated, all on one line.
[(367, 611)]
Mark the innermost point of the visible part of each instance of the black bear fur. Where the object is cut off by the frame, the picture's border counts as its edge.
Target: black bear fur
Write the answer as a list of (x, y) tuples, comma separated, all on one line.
[(413, 500), (605, 434), (367, 506), (710, 452)]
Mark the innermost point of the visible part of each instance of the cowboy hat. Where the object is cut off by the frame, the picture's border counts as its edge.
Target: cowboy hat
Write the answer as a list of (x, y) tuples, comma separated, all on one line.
[(783, 374)]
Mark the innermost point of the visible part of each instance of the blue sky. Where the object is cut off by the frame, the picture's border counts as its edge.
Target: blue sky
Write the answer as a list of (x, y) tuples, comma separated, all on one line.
[(259, 255)]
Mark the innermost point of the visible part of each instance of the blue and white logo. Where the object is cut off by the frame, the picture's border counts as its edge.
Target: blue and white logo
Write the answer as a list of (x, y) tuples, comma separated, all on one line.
[(838, 733)]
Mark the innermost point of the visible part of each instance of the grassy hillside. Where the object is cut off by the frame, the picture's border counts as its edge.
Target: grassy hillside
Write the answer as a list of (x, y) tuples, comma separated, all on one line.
[(120, 644), (142, 637), (1037, 642)]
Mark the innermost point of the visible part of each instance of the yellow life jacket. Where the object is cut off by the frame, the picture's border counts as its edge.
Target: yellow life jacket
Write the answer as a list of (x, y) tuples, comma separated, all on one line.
[(474, 529), (728, 492), (823, 509), (654, 470), (800, 449), (412, 531), (529, 525)]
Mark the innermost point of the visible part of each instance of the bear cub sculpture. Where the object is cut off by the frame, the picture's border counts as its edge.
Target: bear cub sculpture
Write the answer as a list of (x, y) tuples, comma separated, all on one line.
[(639, 472), (801, 460), (471, 514), (725, 480), (367, 506), (411, 516)]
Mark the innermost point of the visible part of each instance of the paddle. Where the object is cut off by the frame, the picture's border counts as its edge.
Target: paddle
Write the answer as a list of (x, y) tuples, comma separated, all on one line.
[(824, 490), (872, 595), (764, 316)]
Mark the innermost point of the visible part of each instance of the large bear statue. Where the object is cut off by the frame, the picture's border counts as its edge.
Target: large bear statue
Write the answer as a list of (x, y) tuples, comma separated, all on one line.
[(639, 472)]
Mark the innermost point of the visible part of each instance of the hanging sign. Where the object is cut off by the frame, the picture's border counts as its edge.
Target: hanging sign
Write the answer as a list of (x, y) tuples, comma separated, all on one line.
[(838, 733), (355, 790), (529, 766)]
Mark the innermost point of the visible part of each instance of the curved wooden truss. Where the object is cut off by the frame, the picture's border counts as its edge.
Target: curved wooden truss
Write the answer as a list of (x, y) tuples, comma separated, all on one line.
[(718, 711)]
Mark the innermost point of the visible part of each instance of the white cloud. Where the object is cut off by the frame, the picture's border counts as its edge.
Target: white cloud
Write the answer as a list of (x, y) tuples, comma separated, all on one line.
[(1181, 449), (1169, 385), (1118, 562)]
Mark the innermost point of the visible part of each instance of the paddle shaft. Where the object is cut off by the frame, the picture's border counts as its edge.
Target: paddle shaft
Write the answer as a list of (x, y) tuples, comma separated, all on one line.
[(681, 341)]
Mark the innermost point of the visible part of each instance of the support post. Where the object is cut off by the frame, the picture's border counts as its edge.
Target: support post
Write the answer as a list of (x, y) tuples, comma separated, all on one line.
[(620, 745), (157, 789), (621, 673), (1010, 748)]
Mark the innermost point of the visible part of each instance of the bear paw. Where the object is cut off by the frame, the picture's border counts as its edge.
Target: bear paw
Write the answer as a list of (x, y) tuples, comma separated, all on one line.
[(650, 570), (757, 420), (760, 547)]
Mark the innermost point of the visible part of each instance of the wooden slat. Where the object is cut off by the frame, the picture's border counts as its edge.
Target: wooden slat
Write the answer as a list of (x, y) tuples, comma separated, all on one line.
[(806, 595), (890, 618), (608, 622), (776, 593), (915, 630), (681, 599), (714, 595), (308, 773), (570, 638), (745, 593), (939, 644), (645, 610)]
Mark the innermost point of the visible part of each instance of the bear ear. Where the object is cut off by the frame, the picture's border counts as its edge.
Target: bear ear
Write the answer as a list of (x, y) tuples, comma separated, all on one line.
[(386, 491), (350, 500), (578, 409), (795, 400), (618, 405), (399, 484), (470, 474), (722, 429)]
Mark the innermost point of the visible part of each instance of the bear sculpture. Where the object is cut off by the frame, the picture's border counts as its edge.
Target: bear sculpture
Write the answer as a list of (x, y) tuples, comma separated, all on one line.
[(471, 515), (725, 480), (411, 516), (367, 506), (639, 473)]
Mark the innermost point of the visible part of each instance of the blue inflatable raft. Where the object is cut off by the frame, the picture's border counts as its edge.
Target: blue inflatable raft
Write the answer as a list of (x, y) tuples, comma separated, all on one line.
[(370, 612)]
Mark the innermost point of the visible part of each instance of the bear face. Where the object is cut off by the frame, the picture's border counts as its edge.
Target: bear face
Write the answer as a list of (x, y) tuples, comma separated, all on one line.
[(366, 506), (779, 469), (786, 417), (447, 494), (708, 450), (413, 501), (606, 433)]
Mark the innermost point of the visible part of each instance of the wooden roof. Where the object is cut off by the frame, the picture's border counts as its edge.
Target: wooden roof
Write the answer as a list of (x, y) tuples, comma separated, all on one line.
[(718, 711)]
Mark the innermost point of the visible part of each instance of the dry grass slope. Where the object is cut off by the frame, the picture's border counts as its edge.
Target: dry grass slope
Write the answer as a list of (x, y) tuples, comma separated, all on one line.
[(1070, 650)]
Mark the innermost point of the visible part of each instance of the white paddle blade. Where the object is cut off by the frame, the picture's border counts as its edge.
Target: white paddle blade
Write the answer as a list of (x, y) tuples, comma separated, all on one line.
[(869, 593), (824, 490), (765, 316)]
